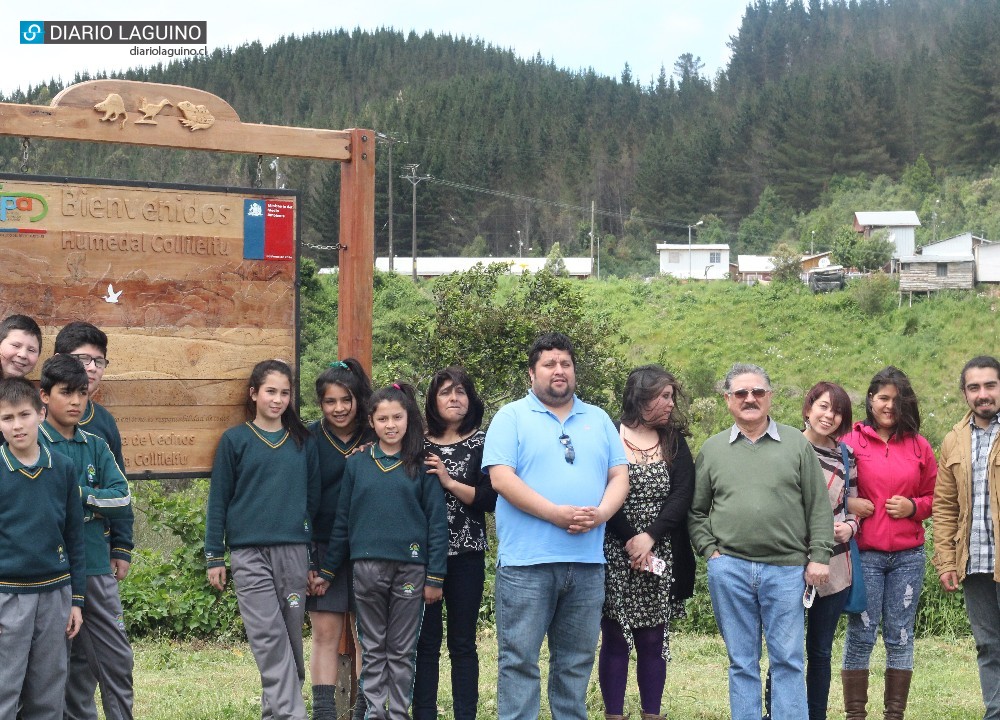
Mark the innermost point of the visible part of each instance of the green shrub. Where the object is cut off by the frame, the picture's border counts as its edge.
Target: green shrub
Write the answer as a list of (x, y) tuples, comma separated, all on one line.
[(939, 613), (167, 594), (874, 295)]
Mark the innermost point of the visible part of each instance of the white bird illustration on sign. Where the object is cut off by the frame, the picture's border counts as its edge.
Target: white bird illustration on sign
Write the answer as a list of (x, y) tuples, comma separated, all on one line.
[(112, 296)]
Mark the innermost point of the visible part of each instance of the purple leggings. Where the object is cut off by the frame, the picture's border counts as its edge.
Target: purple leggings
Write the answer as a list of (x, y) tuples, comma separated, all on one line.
[(612, 666)]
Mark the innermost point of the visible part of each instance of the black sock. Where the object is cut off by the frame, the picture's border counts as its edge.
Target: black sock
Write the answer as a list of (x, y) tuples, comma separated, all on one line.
[(324, 702)]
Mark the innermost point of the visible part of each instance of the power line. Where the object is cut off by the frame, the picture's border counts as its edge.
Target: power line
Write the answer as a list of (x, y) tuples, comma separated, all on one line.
[(556, 203)]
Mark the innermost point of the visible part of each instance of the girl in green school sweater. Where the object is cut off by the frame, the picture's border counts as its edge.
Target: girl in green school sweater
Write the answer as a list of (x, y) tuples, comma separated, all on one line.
[(261, 504), (343, 391), (391, 523)]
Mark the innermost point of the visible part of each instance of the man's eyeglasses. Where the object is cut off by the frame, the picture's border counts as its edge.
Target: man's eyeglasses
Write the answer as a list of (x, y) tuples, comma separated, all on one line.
[(743, 393), (568, 447), (99, 362)]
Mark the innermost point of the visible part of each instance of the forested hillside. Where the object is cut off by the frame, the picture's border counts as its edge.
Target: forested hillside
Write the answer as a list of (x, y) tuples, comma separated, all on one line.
[(817, 95)]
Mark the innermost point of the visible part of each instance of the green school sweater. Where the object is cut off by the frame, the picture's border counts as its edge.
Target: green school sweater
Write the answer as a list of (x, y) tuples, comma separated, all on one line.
[(384, 514), (333, 456), (104, 490), (98, 421), (264, 491), (766, 502), (41, 541)]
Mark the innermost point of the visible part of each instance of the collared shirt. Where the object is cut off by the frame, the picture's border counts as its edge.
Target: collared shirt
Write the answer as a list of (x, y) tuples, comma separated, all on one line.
[(525, 436), (981, 540), (772, 430)]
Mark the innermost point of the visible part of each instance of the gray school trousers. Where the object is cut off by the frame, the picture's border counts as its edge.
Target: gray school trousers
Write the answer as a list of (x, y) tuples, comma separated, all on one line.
[(390, 606), (34, 653), (100, 655), (270, 585)]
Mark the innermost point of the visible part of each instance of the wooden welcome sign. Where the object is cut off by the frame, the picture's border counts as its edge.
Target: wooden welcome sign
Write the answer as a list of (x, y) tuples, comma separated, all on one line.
[(192, 285)]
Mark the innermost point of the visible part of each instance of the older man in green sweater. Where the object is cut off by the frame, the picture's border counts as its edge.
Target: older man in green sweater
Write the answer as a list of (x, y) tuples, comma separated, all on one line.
[(761, 517)]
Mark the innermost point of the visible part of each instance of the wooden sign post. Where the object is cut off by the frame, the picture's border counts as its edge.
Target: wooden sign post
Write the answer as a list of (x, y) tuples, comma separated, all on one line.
[(168, 270)]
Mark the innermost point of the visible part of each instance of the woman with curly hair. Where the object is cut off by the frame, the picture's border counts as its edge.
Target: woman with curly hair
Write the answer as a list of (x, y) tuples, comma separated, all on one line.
[(650, 564)]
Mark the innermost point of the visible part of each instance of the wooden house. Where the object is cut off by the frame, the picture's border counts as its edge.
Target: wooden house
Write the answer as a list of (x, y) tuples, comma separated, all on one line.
[(927, 273)]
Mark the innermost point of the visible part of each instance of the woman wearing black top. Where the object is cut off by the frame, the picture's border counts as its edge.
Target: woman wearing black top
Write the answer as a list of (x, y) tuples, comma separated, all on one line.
[(650, 565), (454, 446)]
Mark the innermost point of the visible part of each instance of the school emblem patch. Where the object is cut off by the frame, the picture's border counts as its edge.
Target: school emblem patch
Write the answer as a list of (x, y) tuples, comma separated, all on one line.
[(120, 621), (293, 600), (408, 588), (414, 550), (62, 554), (91, 475)]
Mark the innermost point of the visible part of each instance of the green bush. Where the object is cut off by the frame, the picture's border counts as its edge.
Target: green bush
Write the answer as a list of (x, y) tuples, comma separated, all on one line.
[(939, 613), (874, 295), (167, 594)]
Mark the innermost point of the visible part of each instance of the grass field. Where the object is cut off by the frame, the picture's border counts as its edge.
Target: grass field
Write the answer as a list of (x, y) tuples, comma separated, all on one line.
[(211, 681)]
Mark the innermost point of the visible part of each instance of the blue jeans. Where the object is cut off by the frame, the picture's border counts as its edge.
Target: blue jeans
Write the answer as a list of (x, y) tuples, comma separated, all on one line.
[(892, 583), (463, 594), (563, 602), (821, 625), (982, 600), (748, 598)]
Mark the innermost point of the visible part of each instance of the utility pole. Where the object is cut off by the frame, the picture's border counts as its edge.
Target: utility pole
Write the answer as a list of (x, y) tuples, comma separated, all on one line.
[(700, 222), (391, 141), (592, 241), (414, 180)]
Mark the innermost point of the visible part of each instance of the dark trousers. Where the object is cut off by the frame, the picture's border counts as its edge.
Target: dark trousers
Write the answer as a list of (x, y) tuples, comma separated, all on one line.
[(463, 595), (982, 600)]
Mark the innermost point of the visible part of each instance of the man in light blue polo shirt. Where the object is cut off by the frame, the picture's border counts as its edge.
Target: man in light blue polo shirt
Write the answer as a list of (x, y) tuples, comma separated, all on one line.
[(559, 467)]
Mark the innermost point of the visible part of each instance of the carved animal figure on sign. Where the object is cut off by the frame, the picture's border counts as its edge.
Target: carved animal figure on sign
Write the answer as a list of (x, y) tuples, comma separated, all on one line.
[(113, 108), (149, 111), (196, 117), (112, 296)]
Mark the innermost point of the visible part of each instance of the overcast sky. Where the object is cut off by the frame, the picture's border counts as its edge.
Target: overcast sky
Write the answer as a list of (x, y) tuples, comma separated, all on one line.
[(575, 35)]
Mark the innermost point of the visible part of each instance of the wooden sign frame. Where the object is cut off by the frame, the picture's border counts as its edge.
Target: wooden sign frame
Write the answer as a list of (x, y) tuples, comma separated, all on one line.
[(174, 116), (133, 113), (190, 289)]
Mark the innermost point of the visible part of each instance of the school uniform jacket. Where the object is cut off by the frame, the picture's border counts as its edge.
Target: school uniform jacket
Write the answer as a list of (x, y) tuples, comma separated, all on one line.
[(333, 456), (41, 526), (104, 490), (118, 531), (384, 514), (264, 491)]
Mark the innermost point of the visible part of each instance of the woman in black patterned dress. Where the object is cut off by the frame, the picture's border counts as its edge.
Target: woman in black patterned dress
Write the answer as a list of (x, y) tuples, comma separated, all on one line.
[(650, 564), (454, 447)]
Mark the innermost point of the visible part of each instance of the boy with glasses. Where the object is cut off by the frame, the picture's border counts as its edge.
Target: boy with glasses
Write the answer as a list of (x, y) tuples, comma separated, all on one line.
[(89, 344)]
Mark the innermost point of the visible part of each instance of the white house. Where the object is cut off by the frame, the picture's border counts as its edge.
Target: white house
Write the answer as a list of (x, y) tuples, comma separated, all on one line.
[(985, 252), (578, 267), (702, 262), (754, 268), (901, 225), (987, 255)]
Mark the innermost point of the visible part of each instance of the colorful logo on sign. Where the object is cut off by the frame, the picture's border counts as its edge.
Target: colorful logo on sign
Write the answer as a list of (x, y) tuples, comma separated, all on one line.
[(16, 207), (268, 229)]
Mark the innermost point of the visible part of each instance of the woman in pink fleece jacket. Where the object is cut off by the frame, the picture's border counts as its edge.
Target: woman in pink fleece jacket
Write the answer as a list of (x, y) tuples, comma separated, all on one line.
[(896, 473)]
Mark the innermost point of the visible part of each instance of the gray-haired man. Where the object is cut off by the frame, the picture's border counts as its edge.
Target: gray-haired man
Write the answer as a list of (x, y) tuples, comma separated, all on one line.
[(761, 516)]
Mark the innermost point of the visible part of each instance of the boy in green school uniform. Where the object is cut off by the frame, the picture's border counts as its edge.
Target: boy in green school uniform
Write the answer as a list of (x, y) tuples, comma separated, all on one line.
[(42, 563), (102, 643), (89, 344)]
